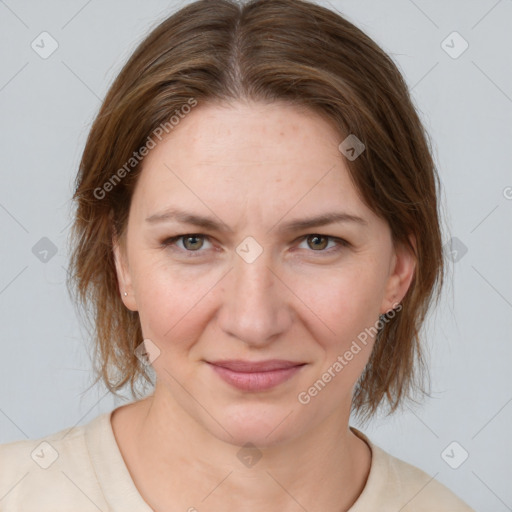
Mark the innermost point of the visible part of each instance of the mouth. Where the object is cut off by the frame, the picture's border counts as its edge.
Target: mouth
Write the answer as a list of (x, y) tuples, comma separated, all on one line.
[(255, 375)]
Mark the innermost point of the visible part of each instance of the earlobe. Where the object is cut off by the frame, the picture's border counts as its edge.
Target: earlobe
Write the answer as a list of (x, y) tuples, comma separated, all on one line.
[(401, 276)]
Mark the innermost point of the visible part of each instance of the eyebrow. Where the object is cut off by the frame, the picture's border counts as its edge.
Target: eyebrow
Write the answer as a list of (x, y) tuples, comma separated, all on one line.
[(214, 225)]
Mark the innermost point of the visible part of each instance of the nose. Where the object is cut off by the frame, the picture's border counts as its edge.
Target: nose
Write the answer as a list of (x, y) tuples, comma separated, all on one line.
[(255, 302)]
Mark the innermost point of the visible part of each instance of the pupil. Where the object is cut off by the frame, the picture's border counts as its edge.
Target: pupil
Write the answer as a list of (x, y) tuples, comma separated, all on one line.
[(191, 238), (316, 237)]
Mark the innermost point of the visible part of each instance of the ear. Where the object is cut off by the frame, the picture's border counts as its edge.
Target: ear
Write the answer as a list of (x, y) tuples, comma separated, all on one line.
[(402, 269), (123, 275)]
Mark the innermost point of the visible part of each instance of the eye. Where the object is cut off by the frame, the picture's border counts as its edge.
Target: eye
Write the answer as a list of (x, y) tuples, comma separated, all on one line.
[(319, 242), (192, 242)]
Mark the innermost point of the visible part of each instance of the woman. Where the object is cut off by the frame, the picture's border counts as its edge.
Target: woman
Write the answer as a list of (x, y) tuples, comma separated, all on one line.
[(257, 229)]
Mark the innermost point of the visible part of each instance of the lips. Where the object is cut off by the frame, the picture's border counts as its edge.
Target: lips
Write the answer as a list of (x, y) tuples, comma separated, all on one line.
[(255, 376), (238, 365)]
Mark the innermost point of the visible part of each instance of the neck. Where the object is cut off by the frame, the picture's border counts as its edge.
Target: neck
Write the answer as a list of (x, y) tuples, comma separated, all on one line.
[(177, 464)]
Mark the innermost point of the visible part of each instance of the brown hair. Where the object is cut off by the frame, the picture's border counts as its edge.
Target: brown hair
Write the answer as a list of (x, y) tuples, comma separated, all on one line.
[(264, 50)]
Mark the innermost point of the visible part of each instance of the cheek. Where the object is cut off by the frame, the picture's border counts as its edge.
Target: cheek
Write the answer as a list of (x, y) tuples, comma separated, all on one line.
[(171, 302), (346, 299), (347, 302)]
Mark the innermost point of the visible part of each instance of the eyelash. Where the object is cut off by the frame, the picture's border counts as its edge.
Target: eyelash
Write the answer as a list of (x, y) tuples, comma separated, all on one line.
[(342, 244)]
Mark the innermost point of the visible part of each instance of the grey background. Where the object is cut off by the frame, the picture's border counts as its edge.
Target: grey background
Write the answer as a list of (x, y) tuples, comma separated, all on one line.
[(47, 106)]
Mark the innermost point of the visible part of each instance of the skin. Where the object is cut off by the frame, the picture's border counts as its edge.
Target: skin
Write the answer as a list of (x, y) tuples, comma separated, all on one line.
[(253, 167)]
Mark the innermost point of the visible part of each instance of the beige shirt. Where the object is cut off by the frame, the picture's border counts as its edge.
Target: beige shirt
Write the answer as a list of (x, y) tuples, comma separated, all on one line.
[(81, 469)]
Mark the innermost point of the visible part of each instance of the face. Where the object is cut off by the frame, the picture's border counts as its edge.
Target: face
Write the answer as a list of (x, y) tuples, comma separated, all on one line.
[(225, 272)]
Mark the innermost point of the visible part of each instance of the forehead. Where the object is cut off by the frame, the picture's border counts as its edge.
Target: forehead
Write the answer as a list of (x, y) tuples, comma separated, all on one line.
[(261, 153), (215, 133)]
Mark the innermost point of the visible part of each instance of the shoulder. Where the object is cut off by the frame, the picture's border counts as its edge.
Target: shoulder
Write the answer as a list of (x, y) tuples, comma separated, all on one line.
[(422, 491), (397, 485), (37, 474)]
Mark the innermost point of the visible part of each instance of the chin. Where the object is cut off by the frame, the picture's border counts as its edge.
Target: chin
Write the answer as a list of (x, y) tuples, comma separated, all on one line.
[(258, 423)]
